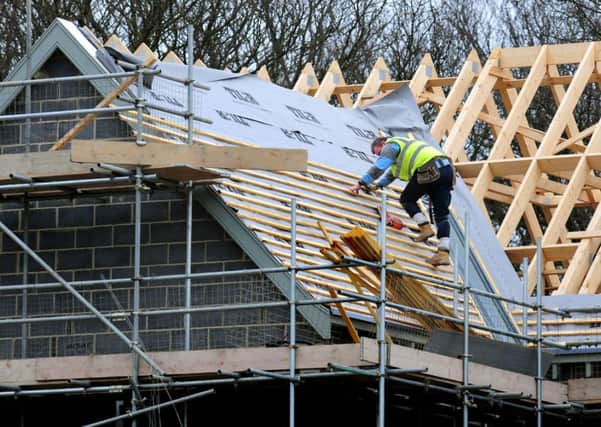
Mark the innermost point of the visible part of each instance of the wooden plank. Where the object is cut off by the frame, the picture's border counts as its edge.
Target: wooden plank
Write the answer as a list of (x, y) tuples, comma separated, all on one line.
[(595, 234), (577, 268), (510, 97), (227, 140), (547, 81), (594, 159), (560, 216), (519, 166), (560, 251), (503, 141), (41, 165), (227, 157), (468, 169), (559, 93), (403, 290), (194, 363), (451, 369), (569, 53), (427, 60), (269, 215), (535, 134)]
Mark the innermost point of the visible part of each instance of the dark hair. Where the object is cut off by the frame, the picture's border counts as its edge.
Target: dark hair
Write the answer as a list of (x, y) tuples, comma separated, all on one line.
[(377, 142)]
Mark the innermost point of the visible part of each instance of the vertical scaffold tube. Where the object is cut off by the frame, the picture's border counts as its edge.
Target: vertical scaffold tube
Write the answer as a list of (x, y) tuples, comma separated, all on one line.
[(190, 83), (466, 322), (140, 107), (382, 318), (188, 281), (28, 72), (136, 293), (455, 256), (188, 285), (292, 310), (524, 268), (539, 333), (25, 279)]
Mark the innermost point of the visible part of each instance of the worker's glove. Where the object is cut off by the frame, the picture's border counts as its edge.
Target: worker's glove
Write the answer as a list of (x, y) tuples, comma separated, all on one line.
[(367, 188)]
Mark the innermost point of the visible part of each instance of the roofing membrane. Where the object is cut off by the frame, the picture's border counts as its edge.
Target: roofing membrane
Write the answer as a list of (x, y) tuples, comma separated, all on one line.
[(247, 110)]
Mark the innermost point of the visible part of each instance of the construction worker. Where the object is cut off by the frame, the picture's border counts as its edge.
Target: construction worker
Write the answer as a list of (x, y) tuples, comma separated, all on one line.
[(427, 170)]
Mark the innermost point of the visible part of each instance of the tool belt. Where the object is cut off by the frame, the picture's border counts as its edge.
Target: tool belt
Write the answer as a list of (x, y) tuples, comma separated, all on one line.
[(430, 172)]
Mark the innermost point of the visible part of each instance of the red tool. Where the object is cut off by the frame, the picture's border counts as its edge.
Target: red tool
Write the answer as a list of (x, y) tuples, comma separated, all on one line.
[(391, 221)]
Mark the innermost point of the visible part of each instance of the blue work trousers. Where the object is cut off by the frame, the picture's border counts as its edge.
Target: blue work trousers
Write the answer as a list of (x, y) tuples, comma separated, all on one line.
[(439, 192)]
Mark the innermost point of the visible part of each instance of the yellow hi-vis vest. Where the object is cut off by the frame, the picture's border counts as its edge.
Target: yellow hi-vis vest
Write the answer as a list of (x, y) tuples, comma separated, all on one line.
[(413, 154)]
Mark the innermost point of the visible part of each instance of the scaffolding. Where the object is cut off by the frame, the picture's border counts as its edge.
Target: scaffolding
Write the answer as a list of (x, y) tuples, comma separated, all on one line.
[(467, 392)]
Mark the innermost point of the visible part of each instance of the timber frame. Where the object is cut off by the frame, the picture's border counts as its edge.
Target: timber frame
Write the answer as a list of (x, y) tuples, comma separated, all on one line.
[(555, 169), (539, 176)]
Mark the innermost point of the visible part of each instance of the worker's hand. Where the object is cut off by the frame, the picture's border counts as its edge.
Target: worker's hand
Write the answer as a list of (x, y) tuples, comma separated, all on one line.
[(354, 190)]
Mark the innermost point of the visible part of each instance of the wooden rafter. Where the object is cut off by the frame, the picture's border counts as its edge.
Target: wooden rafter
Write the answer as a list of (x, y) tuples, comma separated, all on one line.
[(329, 82), (307, 81), (372, 87), (444, 120), (542, 174)]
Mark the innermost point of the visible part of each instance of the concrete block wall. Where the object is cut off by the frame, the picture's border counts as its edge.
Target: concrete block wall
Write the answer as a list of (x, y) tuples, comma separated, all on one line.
[(88, 239)]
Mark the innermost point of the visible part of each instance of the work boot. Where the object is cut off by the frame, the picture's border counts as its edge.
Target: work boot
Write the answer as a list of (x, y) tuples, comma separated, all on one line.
[(440, 258), (425, 232)]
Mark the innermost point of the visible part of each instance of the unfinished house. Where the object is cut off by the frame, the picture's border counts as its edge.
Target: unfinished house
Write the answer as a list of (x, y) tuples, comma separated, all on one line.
[(178, 245)]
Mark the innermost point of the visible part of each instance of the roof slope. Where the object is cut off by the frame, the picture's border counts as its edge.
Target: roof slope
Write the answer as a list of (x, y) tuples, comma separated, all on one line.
[(247, 110)]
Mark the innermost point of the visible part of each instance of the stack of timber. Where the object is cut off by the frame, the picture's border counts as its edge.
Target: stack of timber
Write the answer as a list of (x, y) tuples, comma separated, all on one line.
[(401, 289)]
